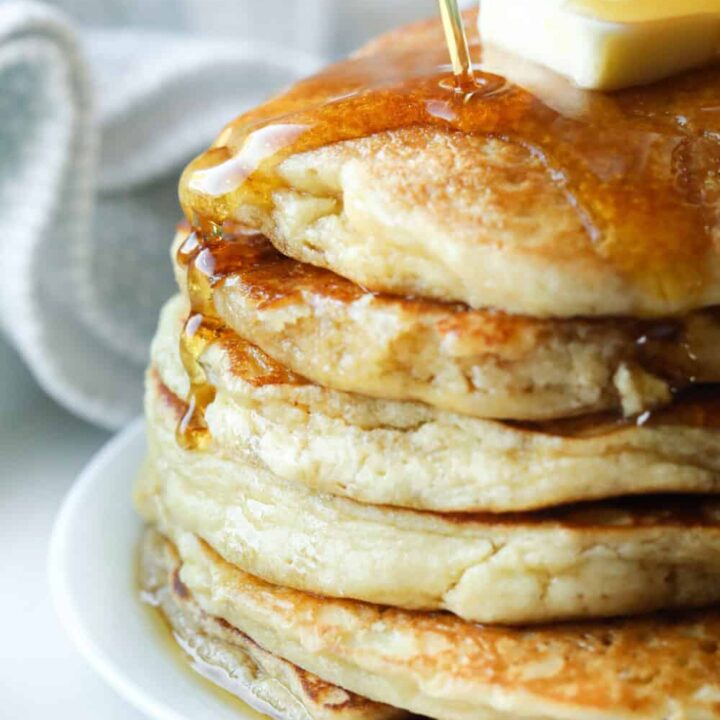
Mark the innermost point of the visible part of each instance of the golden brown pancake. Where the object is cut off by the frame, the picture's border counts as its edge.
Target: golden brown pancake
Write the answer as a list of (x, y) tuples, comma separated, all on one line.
[(594, 560), (383, 269), (434, 664), (530, 196), (476, 362), (228, 657), (408, 454)]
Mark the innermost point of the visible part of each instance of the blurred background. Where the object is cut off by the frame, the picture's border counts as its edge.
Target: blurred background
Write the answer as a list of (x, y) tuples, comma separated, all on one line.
[(102, 102), (328, 27)]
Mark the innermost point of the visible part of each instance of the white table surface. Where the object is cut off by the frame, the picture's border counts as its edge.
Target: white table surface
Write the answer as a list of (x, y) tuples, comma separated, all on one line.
[(42, 449)]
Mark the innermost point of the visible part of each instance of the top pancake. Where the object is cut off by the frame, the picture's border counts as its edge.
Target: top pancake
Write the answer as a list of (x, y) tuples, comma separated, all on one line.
[(534, 197)]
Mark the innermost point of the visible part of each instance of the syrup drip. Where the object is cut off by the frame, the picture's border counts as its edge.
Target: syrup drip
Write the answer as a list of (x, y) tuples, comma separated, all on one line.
[(209, 259), (201, 329), (634, 165)]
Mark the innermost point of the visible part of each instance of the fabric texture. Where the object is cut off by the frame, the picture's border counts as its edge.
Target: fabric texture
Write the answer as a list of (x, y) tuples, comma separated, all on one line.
[(94, 130), (101, 105)]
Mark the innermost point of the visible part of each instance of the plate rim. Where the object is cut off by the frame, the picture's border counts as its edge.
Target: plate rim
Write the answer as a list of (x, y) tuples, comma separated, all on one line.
[(62, 595)]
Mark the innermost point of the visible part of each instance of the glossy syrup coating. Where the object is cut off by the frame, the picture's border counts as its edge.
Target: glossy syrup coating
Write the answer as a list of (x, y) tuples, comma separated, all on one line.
[(249, 264), (209, 260), (640, 168)]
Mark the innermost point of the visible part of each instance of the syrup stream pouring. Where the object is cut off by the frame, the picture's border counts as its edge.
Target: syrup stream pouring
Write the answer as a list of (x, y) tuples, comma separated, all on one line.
[(457, 44)]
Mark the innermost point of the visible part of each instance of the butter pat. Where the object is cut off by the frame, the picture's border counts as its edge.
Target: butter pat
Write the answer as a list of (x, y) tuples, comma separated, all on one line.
[(606, 44)]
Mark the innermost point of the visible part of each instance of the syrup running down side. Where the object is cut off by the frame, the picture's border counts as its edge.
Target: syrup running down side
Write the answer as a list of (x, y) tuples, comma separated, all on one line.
[(208, 263)]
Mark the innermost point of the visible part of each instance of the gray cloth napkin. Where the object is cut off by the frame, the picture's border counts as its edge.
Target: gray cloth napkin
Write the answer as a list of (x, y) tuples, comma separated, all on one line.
[(94, 131), (95, 127)]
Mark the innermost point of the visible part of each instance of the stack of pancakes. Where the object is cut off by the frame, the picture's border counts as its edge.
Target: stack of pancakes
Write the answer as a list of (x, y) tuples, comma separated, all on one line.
[(462, 444)]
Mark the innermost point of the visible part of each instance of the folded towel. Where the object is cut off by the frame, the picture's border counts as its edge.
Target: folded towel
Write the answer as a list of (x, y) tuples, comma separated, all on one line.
[(94, 130)]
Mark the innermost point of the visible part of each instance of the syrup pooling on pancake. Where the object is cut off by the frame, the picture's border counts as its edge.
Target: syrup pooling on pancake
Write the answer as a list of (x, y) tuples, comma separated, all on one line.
[(637, 166)]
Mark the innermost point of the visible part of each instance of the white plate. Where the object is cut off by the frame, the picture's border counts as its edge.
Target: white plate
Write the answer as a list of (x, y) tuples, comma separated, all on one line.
[(93, 579)]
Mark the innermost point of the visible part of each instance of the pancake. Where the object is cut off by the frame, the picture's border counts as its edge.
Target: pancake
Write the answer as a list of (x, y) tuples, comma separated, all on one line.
[(593, 560), (440, 666), (228, 657), (534, 198), (481, 363), (411, 455)]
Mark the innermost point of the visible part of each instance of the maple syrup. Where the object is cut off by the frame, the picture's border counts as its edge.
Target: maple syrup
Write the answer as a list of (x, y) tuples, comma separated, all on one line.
[(634, 165), (200, 330), (226, 690), (457, 43), (637, 166), (272, 279), (208, 262)]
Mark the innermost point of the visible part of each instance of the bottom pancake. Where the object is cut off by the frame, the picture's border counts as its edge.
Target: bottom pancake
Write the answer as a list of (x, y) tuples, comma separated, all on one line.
[(229, 658), (657, 668)]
